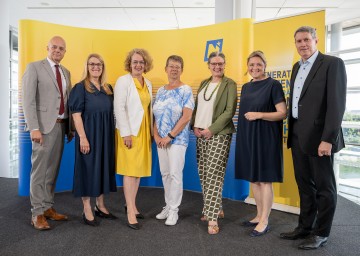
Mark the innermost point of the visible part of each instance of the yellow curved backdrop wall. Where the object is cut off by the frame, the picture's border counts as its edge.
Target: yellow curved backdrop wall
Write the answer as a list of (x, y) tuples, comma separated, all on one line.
[(240, 37)]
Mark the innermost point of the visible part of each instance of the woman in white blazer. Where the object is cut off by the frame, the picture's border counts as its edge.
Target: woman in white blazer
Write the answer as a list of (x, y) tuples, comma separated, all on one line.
[(132, 107)]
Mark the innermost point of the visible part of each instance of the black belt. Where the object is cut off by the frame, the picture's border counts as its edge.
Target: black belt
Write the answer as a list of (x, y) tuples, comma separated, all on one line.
[(61, 121)]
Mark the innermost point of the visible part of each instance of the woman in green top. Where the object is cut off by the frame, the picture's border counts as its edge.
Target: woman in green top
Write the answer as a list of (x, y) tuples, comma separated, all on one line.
[(213, 126)]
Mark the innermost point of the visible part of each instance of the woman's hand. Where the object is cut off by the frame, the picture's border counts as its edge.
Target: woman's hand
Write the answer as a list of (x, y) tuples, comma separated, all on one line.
[(164, 142), (127, 141), (84, 145), (252, 116), (197, 132), (206, 133), (157, 139)]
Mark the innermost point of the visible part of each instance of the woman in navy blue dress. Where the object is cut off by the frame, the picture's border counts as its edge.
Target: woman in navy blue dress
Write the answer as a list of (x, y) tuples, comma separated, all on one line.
[(91, 105), (259, 139)]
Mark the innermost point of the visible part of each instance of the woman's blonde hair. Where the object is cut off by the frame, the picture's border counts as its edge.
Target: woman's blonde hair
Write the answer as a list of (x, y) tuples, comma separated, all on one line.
[(86, 75), (146, 56), (259, 54)]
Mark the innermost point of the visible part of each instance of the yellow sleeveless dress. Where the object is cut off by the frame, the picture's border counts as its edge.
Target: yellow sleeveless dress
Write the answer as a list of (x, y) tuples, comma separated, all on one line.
[(136, 162)]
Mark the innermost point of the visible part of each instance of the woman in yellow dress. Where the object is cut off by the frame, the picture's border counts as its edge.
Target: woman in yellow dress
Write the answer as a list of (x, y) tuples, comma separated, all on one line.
[(132, 107)]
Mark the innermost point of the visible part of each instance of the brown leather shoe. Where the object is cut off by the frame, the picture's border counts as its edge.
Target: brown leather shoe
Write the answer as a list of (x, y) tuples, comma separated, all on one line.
[(53, 215), (39, 222)]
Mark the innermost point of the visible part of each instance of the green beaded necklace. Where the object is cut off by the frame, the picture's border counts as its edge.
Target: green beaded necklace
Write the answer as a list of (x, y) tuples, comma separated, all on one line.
[(212, 93)]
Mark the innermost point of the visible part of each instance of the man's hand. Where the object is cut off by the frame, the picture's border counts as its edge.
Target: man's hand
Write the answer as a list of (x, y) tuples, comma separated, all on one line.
[(36, 137), (324, 149)]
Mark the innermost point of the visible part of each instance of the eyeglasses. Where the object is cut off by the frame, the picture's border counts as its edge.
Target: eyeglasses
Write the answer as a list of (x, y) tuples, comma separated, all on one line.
[(135, 62), (174, 67), (220, 64), (93, 65)]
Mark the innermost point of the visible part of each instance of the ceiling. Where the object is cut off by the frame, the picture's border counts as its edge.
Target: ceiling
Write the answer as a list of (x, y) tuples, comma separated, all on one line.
[(167, 14)]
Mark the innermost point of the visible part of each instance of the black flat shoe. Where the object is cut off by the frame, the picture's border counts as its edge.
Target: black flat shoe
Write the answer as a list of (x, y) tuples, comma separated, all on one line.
[(249, 224), (256, 233), (92, 223), (135, 226), (104, 215), (138, 215)]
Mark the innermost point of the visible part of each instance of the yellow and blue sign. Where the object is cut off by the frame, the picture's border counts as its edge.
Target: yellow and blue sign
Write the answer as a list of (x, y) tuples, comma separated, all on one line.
[(213, 46)]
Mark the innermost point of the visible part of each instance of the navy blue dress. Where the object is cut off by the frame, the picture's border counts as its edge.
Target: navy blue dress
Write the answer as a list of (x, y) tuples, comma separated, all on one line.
[(258, 154), (94, 173)]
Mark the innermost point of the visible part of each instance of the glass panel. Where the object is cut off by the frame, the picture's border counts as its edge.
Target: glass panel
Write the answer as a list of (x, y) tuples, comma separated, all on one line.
[(348, 165), (350, 55), (350, 41), (14, 148), (352, 71), (13, 105), (14, 75), (14, 53)]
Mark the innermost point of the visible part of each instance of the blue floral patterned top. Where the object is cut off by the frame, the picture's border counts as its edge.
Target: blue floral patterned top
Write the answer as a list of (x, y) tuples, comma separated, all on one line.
[(168, 109)]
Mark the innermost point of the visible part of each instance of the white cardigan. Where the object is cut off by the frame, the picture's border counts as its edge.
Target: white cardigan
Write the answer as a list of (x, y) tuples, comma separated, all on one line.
[(127, 106)]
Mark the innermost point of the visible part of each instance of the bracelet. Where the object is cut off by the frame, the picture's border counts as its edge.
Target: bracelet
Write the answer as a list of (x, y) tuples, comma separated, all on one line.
[(170, 136)]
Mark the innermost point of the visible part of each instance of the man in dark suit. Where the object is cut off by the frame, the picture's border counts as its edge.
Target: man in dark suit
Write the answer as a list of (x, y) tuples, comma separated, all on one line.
[(45, 90), (317, 105)]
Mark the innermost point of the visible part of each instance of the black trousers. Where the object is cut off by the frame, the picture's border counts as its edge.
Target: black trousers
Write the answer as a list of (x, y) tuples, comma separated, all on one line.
[(317, 188)]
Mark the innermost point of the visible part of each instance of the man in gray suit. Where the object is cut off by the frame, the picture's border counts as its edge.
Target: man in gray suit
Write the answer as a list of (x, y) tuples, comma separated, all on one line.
[(317, 105), (45, 90)]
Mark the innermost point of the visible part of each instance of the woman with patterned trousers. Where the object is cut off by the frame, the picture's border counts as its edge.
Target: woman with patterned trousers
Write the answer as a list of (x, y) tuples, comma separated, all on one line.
[(212, 123)]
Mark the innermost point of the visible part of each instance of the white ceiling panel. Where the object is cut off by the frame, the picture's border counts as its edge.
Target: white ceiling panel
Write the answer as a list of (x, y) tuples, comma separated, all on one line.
[(293, 11), (266, 13), (146, 18), (44, 4), (270, 4), (350, 4), (92, 3), (164, 14), (312, 3), (338, 15), (194, 3), (195, 17), (145, 3)]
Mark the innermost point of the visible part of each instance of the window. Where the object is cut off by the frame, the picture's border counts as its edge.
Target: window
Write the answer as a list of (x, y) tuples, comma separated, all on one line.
[(13, 108), (347, 161)]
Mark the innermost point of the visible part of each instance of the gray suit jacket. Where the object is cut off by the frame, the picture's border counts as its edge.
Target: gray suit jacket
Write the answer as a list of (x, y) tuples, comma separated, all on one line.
[(321, 104), (41, 96)]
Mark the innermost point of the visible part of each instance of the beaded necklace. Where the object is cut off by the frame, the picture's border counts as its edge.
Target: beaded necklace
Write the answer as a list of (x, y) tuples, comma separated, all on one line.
[(212, 93)]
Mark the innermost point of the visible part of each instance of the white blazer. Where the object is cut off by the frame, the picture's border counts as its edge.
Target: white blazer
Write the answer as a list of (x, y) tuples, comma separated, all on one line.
[(127, 106)]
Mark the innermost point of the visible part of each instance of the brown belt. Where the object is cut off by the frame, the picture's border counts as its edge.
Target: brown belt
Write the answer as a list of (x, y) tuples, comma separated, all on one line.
[(61, 121)]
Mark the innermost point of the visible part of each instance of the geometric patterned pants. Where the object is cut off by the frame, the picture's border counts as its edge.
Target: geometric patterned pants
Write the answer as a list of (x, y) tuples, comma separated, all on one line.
[(212, 156)]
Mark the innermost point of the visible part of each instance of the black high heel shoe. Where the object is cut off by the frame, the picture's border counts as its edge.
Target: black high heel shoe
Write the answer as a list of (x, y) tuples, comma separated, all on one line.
[(92, 223), (138, 215), (135, 226), (104, 215)]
